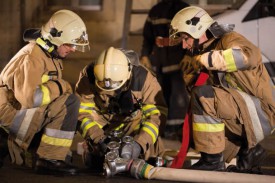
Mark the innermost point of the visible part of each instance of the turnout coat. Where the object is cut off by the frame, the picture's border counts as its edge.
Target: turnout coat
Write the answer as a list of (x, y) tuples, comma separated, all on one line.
[(237, 105)]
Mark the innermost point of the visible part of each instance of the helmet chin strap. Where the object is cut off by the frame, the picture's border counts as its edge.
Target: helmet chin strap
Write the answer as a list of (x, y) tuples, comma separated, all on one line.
[(195, 47), (48, 47)]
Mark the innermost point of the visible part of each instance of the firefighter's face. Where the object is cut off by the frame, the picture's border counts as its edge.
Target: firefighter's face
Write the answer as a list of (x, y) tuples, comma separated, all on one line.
[(65, 49), (187, 41)]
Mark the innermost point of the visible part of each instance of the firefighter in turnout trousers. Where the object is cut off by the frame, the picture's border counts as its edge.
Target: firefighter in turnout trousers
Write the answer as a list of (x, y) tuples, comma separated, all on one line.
[(120, 98), (234, 111), (36, 102), (164, 60)]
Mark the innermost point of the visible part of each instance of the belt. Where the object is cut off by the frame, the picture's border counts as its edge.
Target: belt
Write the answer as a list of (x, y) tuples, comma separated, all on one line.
[(162, 41)]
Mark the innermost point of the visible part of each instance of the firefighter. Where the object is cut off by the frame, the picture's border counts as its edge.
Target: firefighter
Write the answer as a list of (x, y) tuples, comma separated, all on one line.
[(36, 103), (164, 60), (234, 111), (120, 96)]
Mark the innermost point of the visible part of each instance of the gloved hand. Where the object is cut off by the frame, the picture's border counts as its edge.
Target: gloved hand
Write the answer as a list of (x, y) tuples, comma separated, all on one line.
[(200, 61), (99, 148), (96, 135), (146, 62)]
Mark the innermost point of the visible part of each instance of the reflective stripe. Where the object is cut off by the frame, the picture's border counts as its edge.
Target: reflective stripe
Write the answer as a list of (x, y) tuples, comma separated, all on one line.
[(229, 59), (206, 123), (45, 78), (86, 124), (86, 107), (206, 127), (150, 110), (234, 60), (38, 95), (238, 57), (24, 125), (206, 119), (151, 129), (56, 141), (170, 68), (46, 95), (119, 127), (258, 117), (159, 21), (59, 133)]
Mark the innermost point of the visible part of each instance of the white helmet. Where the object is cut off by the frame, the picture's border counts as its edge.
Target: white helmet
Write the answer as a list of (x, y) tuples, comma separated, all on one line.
[(66, 27), (191, 20), (112, 69)]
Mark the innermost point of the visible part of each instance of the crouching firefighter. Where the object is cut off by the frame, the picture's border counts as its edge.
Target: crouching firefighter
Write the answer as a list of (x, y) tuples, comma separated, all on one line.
[(122, 98), (37, 106), (234, 111)]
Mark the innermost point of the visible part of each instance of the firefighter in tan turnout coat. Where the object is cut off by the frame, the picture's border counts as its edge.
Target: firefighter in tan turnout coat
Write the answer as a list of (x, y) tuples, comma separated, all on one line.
[(36, 100), (234, 111), (119, 96)]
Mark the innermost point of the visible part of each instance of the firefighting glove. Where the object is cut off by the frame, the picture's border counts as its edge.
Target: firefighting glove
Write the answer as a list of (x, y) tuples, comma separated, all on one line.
[(99, 148), (205, 60), (97, 135), (146, 62), (190, 70)]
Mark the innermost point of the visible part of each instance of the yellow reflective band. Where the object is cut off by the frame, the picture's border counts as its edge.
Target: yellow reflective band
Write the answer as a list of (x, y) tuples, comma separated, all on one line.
[(120, 126), (86, 107), (230, 61), (56, 141), (206, 127), (147, 107), (88, 126), (152, 126), (45, 78), (150, 110), (148, 128), (46, 95), (150, 133)]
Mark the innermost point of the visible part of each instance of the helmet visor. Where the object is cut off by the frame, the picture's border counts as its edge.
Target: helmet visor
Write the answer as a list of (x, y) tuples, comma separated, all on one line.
[(174, 37), (82, 43), (108, 84), (82, 48)]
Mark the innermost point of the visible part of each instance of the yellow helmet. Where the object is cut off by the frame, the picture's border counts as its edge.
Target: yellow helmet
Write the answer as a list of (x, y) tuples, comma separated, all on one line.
[(112, 69), (66, 27), (191, 20)]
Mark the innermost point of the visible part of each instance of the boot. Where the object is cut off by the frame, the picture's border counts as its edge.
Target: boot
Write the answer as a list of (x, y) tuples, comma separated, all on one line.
[(210, 162), (249, 160), (54, 167), (4, 151)]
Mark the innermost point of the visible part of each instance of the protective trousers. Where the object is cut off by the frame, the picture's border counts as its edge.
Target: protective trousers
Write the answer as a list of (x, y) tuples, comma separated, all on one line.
[(57, 123), (215, 123)]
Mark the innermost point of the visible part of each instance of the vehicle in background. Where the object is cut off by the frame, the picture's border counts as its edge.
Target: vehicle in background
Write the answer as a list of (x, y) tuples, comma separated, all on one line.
[(255, 19)]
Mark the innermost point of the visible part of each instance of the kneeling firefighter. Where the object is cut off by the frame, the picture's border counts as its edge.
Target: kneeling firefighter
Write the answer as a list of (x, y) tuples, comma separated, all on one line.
[(231, 113), (38, 110), (120, 98)]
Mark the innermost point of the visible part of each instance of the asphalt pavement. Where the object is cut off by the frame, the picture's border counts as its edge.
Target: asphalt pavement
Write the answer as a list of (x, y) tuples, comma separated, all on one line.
[(17, 174)]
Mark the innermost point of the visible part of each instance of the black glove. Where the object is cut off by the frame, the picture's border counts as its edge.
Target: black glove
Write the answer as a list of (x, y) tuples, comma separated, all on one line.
[(99, 148)]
